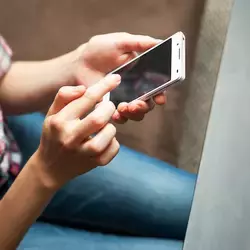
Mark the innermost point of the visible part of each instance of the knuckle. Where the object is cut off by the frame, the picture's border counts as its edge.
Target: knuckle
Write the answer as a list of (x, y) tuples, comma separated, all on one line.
[(55, 123), (94, 147), (66, 140), (92, 39), (95, 38), (65, 143), (97, 121), (104, 160), (62, 92), (148, 37), (101, 161), (90, 94), (125, 34), (47, 124)]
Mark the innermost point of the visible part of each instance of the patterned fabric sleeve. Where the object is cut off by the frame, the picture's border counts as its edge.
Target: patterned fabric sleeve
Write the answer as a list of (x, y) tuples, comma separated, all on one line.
[(10, 157), (5, 56)]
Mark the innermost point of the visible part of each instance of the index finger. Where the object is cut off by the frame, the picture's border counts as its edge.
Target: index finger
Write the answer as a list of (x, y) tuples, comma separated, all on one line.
[(81, 106)]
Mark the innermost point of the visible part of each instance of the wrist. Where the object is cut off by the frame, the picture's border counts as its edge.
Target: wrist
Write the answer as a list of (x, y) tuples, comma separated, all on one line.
[(73, 63), (44, 179), (65, 67), (22, 205)]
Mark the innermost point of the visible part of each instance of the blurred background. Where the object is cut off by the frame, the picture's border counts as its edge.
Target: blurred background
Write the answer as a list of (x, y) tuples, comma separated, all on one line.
[(41, 29)]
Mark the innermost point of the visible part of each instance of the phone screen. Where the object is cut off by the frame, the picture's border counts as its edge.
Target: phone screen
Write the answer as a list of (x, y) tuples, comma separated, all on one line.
[(146, 73)]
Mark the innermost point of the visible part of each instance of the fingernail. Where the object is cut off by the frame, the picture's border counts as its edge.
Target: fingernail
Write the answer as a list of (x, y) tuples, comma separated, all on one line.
[(116, 78)]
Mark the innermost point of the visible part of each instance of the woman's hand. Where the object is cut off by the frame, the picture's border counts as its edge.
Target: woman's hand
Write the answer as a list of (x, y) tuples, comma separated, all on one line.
[(67, 148), (104, 53)]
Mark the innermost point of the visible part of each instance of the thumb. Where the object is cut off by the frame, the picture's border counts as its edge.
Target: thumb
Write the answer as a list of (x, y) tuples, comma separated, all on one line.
[(64, 96)]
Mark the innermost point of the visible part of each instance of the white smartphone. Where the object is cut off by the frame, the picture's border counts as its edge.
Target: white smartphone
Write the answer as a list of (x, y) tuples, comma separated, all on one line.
[(151, 72)]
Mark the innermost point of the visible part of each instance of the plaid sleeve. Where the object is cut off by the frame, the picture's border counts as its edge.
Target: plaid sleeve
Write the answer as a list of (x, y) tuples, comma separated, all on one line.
[(5, 56)]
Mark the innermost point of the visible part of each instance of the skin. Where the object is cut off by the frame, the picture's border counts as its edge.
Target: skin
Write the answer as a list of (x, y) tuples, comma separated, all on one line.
[(124, 47), (74, 84), (36, 83), (66, 151)]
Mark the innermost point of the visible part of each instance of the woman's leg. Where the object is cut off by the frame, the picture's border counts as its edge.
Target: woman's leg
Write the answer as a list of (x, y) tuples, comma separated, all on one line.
[(51, 237), (134, 194)]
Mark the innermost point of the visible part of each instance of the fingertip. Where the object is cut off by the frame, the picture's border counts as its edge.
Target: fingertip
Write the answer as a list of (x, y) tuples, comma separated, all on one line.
[(116, 78), (160, 99), (122, 107)]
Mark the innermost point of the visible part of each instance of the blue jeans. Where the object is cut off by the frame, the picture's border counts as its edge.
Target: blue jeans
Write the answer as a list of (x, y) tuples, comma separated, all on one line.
[(135, 202)]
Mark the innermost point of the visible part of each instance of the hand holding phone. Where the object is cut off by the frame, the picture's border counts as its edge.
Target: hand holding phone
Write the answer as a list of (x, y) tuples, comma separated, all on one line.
[(151, 72)]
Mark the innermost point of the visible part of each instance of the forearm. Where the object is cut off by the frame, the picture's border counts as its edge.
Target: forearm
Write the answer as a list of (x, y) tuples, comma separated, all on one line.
[(21, 206), (31, 86)]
